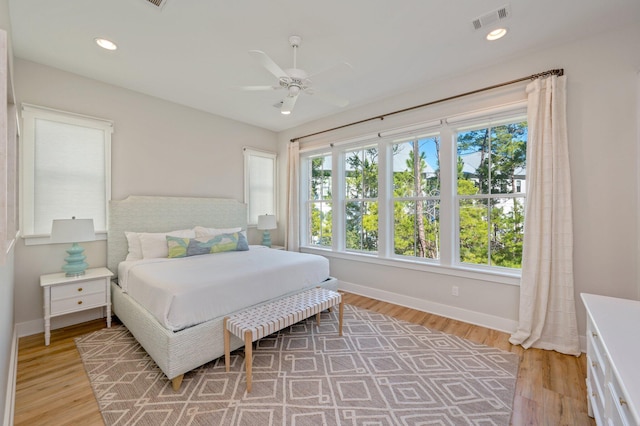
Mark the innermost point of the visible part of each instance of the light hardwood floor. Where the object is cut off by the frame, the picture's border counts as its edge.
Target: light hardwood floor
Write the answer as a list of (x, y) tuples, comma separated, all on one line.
[(53, 389)]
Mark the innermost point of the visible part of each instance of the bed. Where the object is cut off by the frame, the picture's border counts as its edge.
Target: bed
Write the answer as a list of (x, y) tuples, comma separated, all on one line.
[(178, 344)]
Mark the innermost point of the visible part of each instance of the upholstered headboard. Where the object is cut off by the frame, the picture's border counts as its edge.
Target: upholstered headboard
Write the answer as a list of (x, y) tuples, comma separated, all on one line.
[(162, 214)]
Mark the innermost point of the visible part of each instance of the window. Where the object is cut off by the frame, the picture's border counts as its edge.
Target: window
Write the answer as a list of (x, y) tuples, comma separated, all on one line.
[(361, 199), (319, 206), (66, 168), (416, 197), (259, 183), (449, 195), (491, 168)]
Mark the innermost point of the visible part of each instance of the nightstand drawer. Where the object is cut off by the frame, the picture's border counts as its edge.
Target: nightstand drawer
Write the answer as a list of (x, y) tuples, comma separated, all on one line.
[(76, 289), (77, 303)]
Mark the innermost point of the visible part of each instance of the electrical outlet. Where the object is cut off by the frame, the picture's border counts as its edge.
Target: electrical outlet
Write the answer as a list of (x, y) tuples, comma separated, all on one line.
[(454, 290)]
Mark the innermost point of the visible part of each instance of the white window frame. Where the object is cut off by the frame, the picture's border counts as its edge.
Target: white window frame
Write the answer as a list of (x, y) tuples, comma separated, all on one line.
[(251, 186), (31, 113), (392, 199), (448, 263), (344, 200), (309, 203), (482, 122)]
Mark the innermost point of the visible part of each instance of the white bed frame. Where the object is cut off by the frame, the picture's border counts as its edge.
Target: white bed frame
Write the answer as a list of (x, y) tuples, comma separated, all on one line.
[(176, 353)]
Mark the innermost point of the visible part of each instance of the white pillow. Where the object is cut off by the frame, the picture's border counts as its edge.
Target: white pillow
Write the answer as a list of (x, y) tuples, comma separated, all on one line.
[(135, 249), (210, 232), (154, 245)]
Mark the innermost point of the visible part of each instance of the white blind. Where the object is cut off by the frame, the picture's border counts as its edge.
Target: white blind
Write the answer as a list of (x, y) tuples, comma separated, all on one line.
[(69, 174), (66, 173), (260, 184)]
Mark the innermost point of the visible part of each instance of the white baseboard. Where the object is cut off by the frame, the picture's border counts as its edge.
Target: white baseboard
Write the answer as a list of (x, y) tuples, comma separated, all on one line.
[(11, 381), (29, 328), (465, 315), (471, 317)]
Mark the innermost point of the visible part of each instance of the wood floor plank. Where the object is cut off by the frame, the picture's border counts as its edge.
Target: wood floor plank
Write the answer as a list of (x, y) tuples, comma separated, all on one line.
[(53, 389)]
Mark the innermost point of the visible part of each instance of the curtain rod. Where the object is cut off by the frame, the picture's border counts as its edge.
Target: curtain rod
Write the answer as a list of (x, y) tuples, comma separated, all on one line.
[(559, 72)]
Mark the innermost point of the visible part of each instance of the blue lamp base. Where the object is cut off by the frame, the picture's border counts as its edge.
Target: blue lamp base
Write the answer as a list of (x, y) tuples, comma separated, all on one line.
[(75, 261), (266, 239)]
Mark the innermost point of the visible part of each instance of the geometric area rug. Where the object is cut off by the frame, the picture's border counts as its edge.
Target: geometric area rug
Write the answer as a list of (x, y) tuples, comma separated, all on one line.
[(382, 371)]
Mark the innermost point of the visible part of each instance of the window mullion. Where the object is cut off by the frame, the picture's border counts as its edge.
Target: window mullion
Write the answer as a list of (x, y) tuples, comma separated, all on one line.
[(338, 200), (448, 197), (385, 216)]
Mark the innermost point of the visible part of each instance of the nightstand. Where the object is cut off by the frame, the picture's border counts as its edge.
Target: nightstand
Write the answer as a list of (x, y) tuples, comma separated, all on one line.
[(64, 295)]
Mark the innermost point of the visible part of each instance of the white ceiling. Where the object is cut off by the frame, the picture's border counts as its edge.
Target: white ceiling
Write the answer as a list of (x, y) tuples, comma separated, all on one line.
[(195, 52)]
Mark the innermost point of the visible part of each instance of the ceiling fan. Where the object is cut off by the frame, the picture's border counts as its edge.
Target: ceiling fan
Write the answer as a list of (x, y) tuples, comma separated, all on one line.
[(294, 80)]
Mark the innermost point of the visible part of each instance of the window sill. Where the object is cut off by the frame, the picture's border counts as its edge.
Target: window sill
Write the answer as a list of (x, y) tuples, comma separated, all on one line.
[(502, 277), (41, 239)]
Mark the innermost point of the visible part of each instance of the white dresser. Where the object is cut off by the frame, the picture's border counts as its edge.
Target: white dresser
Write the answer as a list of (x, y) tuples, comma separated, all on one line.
[(613, 360)]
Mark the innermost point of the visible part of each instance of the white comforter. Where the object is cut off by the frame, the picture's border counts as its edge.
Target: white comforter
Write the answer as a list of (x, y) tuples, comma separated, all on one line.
[(187, 291)]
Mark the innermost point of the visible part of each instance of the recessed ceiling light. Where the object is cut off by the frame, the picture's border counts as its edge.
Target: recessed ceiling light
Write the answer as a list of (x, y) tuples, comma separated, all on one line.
[(496, 34), (283, 112), (106, 44)]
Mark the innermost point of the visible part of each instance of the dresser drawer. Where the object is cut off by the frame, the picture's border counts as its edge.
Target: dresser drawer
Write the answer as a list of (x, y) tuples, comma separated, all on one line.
[(595, 342), (75, 289), (620, 404), (77, 303), (596, 379), (595, 399)]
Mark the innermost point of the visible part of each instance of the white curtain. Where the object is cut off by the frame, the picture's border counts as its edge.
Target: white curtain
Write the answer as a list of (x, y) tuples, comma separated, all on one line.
[(292, 242), (547, 303)]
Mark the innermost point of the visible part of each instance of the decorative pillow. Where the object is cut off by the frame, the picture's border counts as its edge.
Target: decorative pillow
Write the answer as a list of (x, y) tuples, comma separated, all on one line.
[(154, 245), (201, 231), (184, 247)]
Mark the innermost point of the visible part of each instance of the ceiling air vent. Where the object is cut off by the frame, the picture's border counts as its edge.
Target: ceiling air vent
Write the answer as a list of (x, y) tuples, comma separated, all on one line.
[(157, 3), (492, 17)]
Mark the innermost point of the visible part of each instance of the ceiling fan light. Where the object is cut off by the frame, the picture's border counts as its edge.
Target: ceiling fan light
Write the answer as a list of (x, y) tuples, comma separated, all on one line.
[(294, 90), (496, 34)]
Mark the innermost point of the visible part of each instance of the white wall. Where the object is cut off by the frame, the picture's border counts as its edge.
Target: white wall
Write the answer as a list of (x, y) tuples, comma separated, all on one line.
[(602, 122), (7, 284), (158, 148)]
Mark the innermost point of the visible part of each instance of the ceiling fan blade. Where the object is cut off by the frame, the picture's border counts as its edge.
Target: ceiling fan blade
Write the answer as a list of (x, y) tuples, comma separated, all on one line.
[(333, 70), (288, 104), (259, 88), (268, 63), (330, 98)]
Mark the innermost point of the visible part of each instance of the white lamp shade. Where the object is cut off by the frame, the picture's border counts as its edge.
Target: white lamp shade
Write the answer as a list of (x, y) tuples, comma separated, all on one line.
[(267, 221), (72, 230)]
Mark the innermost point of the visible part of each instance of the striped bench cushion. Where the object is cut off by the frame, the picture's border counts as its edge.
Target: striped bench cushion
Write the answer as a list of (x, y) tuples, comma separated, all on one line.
[(266, 319)]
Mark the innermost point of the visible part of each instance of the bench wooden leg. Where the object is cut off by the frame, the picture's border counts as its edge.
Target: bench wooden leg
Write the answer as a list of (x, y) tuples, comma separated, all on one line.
[(248, 357), (340, 313), (176, 382), (226, 344), (318, 319)]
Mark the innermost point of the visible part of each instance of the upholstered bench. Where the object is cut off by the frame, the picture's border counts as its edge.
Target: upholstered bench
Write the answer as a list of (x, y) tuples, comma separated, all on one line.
[(260, 321)]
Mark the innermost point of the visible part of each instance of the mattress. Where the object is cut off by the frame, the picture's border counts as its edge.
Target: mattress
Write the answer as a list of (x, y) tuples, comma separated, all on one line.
[(184, 292)]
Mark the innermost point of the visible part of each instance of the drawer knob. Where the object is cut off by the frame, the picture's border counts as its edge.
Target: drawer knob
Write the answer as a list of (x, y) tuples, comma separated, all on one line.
[(79, 288), (622, 401), (594, 364), (594, 334), (79, 302)]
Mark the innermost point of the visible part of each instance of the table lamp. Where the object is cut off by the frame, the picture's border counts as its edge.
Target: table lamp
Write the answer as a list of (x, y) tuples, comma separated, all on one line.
[(73, 231), (265, 223)]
